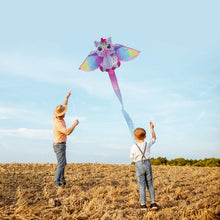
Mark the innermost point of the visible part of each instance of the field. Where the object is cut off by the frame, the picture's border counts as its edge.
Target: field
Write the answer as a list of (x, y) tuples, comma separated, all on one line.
[(104, 191)]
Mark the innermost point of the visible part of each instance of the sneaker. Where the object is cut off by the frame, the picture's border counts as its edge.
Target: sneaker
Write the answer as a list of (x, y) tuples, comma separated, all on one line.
[(143, 207), (57, 185), (154, 206)]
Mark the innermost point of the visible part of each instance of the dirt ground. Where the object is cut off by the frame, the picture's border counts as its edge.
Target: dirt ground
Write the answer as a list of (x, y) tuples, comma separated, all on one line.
[(105, 191)]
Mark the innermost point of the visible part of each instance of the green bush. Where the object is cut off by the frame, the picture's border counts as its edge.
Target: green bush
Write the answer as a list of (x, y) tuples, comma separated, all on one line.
[(207, 162), (159, 161)]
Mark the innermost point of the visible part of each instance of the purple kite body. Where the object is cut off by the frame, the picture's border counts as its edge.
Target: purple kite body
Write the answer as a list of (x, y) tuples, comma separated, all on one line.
[(107, 58)]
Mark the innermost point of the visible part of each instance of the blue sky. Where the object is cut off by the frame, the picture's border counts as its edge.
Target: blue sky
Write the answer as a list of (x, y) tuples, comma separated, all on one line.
[(175, 81)]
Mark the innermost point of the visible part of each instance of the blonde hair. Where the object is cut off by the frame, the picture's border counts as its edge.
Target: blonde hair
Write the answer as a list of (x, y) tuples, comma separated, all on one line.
[(140, 133)]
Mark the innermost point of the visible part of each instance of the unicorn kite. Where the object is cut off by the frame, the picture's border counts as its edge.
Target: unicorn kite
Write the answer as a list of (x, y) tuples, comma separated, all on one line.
[(107, 57)]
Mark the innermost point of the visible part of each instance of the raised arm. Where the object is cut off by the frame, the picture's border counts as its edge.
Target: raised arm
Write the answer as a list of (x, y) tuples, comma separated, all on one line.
[(65, 102), (63, 129), (152, 130), (70, 130)]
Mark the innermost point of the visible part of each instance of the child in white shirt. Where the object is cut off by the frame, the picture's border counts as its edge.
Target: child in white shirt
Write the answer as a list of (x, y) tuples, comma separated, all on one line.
[(140, 154)]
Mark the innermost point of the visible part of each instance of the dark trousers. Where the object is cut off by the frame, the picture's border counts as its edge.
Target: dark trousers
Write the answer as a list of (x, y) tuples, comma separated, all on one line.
[(60, 150)]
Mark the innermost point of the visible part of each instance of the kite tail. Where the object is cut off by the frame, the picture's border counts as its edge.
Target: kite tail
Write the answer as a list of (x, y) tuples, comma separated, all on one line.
[(115, 86), (129, 122)]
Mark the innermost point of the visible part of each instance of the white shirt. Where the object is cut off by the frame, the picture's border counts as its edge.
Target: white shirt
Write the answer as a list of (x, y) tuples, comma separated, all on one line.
[(135, 153)]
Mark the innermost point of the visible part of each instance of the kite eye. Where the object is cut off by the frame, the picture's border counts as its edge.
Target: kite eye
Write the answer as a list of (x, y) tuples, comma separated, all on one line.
[(109, 46), (100, 48)]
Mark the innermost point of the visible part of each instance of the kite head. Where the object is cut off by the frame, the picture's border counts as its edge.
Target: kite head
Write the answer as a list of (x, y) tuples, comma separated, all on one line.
[(106, 50), (104, 47)]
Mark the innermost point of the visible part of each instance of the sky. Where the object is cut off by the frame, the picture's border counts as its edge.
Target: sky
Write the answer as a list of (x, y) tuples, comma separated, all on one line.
[(174, 82)]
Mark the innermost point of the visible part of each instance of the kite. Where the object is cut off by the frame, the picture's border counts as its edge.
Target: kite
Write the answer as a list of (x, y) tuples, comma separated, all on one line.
[(107, 58)]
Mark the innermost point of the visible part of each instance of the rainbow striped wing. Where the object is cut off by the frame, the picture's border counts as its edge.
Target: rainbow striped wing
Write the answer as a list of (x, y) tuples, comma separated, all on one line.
[(91, 62), (125, 53)]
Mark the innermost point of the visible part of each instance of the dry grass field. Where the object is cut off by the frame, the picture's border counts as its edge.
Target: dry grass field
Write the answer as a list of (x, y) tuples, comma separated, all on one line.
[(104, 191)]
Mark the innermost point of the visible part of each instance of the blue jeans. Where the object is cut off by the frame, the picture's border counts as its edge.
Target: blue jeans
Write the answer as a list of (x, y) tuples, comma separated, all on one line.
[(60, 150), (145, 179)]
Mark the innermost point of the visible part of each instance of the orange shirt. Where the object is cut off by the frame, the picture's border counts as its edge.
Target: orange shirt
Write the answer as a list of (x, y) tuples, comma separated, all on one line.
[(59, 130)]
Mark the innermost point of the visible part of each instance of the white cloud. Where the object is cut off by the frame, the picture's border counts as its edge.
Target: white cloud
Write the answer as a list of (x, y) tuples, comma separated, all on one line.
[(24, 114), (38, 68), (97, 108), (3, 117), (213, 129), (201, 115), (40, 134), (54, 70), (7, 112), (71, 118), (209, 89), (137, 92), (117, 146), (184, 103)]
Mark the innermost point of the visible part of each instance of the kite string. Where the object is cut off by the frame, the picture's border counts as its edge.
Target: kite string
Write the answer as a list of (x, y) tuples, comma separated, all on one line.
[(117, 91), (75, 103)]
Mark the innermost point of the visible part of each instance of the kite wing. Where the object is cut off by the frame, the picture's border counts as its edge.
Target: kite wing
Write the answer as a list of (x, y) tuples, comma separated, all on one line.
[(125, 53), (91, 62)]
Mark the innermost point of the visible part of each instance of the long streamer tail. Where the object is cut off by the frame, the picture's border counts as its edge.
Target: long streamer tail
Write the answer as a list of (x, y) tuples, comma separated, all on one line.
[(117, 91), (129, 122), (115, 86)]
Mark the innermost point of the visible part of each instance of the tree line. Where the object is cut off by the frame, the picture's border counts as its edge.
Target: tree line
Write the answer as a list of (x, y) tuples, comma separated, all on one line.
[(207, 162)]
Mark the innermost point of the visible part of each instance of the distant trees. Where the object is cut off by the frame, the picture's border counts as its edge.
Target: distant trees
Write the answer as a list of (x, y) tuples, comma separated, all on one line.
[(207, 162), (159, 161)]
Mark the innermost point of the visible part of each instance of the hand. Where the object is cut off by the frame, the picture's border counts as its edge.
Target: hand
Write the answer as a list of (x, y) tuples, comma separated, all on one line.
[(151, 125), (76, 123), (68, 94)]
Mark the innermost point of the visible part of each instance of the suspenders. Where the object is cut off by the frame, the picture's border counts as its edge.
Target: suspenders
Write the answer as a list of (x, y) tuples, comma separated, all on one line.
[(142, 152)]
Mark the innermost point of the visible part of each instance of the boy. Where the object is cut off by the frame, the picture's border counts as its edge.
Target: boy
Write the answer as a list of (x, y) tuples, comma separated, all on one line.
[(140, 154), (60, 133)]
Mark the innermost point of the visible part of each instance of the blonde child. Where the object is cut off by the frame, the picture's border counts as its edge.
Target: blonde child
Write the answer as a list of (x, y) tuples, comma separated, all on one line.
[(140, 154)]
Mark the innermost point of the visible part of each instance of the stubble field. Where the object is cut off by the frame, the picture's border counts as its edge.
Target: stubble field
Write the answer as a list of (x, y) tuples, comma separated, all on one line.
[(104, 191)]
